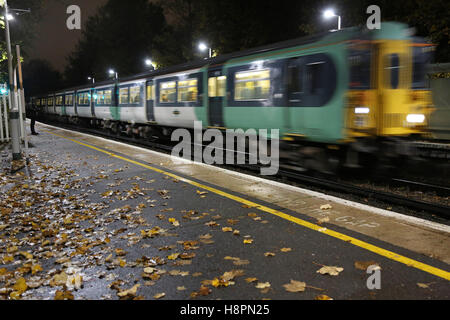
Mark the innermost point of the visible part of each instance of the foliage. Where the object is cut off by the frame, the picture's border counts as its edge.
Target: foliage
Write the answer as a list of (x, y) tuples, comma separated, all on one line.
[(119, 36)]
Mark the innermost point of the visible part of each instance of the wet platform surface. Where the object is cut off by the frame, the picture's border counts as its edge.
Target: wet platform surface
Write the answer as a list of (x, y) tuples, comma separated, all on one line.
[(112, 221)]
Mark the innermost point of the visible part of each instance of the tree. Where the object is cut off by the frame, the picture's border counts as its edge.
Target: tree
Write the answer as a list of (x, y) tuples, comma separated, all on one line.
[(119, 36)]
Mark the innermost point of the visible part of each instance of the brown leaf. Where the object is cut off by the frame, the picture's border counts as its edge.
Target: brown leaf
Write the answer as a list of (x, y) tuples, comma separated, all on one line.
[(295, 286)]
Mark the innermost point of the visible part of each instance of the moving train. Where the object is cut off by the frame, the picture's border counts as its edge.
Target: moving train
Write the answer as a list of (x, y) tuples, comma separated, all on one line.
[(338, 98)]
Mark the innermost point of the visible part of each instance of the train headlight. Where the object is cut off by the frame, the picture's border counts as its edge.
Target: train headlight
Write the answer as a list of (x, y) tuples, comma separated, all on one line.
[(362, 110), (415, 118)]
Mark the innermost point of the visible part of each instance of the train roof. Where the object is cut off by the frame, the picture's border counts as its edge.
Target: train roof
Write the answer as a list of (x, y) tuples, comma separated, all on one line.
[(221, 59)]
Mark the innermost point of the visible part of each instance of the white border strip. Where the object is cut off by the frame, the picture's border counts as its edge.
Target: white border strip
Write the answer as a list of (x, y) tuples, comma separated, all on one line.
[(391, 214)]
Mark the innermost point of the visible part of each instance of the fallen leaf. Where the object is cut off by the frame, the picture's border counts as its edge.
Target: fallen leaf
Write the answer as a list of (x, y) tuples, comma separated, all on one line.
[(159, 295), (364, 265), (262, 285), (333, 271), (227, 229), (63, 295), (130, 293), (295, 286), (286, 250), (269, 254), (326, 207), (323, 297)]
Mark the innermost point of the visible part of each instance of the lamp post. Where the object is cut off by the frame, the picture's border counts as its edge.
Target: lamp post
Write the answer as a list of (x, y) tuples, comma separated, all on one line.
[(14, 111), (92, 79), (113, 73), (329, 13), (203, 47), (149, 63)]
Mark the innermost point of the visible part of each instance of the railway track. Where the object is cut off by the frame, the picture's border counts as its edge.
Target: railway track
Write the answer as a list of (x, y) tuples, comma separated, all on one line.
[(291, 174)]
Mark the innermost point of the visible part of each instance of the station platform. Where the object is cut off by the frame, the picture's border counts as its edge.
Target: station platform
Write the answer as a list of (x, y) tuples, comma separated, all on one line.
[(114, 221)]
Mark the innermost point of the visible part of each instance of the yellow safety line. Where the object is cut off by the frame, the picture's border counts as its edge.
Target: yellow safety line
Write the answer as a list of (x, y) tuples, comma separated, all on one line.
[(380, 251)]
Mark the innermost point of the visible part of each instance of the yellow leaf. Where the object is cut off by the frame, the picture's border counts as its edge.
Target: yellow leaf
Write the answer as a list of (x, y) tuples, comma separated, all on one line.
[(227, 229), (130, 293), (295, 286), (173, 256), (20, 286), (248, 241), (159, 295), (36, 268), (286, 250), (323, 297), (263, 285), (63, 295), (27, 255), (333, 271)]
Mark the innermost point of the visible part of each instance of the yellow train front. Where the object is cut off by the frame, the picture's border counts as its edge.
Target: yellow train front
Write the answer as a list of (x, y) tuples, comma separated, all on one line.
[(389, 100)]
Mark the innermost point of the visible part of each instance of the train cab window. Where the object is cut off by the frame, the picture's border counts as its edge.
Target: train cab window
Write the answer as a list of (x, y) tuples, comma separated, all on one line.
[(135, 94), (252, 85), (124, 95), (187, 90), (107, 97), (422, 56), (150, 92), (392, 70), (168, 92)]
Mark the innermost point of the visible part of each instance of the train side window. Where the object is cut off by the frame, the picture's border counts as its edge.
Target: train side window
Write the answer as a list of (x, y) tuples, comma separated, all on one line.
[(187, 90), (107, 97), (252, 85), (135, 94), (167, 92), (221, 86), (212, 87), (69, 100), (314, 73), (150, 92), (295, 79), (99, 95), (124, 95)]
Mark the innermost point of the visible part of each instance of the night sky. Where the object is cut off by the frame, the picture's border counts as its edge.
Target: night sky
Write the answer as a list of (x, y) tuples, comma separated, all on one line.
[(54, 41)]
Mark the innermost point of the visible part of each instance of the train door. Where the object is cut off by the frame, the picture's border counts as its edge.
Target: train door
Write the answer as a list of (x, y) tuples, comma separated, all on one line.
[(93, 98), (150, 101), (216, 94), (393, 83), (295, 89)]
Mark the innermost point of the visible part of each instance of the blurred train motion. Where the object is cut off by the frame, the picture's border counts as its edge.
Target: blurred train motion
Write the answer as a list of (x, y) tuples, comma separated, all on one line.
[(348, 98)]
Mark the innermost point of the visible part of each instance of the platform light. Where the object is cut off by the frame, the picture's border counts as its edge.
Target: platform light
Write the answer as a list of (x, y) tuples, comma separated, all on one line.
[(203, 47), (415, 118), (329, 13)]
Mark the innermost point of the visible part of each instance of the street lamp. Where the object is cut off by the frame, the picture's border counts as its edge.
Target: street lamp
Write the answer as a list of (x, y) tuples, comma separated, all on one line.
[(203, 47), (92, 79), (149, 63), (113, 73), (329, 13)]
